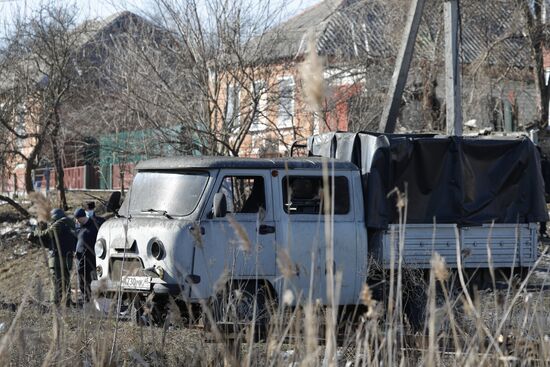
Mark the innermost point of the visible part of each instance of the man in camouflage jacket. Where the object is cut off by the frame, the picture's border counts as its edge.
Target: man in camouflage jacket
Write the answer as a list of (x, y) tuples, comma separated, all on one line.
[(59, 237)]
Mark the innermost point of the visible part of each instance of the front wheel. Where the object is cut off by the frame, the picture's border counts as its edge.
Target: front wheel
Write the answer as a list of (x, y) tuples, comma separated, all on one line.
[(241, 305), (137, 314), (145, 312)]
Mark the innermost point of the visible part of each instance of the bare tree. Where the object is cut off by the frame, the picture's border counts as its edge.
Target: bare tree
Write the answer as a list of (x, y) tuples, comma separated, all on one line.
[(9, 151), (538, 35), (118, 102), (500, 78), (201, 80), (45, 74)]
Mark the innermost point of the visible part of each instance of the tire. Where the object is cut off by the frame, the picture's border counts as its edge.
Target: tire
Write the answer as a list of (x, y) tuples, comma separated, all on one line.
[(155, 315), (522, 273), (233, 309), (415, 307), (137, 315), (190, 313)]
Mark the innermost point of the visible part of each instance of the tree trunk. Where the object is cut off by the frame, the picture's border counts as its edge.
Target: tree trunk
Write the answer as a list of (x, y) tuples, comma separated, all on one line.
[(536, 31), (540, 83), (121, 169), (60, 176), (543, 90), (59, 172), (31, 165), (16, 205)]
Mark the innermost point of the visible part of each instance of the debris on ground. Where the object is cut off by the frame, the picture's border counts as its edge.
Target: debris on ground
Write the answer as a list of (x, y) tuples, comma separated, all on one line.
[(13, 238), (10, 230)]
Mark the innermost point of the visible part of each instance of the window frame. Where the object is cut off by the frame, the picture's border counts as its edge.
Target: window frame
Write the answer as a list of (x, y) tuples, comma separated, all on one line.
[(343, 216), (245, 217), (285, 118), (125, 208)]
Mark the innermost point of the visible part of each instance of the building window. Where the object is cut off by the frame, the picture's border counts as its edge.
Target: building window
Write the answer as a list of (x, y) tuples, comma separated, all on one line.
[(259, 103), (286, 102), (232, 113)]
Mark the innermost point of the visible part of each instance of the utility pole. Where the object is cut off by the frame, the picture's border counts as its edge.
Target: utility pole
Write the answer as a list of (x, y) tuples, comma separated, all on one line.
[(403, 63), (453, 92), (402, 66)]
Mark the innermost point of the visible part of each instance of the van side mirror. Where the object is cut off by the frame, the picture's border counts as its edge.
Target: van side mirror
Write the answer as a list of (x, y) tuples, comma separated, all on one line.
[(114, 202), (219, 209)]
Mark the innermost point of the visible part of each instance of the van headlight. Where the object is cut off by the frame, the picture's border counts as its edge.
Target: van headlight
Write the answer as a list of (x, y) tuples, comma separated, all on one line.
[(100, 248), (157, 250)]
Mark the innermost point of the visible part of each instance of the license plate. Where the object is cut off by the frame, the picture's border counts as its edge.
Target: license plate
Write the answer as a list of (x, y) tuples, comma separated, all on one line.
[(132, 282)]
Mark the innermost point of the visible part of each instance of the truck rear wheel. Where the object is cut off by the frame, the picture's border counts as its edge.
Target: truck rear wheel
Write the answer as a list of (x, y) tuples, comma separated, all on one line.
[(415, 308)]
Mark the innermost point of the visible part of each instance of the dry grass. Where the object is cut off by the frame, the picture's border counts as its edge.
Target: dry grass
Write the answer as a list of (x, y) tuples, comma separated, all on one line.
[(41, 206), (311, 73), (507, 327)]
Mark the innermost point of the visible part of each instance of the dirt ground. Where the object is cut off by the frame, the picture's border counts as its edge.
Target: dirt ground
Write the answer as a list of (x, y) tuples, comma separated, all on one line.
[(83, 336), (23, 265), (44, 335)]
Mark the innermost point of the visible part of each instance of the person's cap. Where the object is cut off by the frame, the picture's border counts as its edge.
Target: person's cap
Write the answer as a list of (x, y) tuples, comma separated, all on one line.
[(90, 205), (79, 213), (57, 214)]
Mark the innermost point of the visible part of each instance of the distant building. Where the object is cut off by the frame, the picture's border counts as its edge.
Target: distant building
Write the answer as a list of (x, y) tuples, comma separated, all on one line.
[(359, 41), (84, 156)]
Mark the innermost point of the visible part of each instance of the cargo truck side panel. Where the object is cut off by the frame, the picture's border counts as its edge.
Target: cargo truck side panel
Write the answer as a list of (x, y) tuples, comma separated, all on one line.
[(502, 245)]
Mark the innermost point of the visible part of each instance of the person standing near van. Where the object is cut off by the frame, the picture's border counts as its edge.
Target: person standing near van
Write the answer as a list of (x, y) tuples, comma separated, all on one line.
[(90, 209), (85, 254), (90, 213), (59, 237)]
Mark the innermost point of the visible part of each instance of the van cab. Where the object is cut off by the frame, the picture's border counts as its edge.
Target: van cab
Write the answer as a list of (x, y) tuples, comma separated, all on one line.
[(192, 227)]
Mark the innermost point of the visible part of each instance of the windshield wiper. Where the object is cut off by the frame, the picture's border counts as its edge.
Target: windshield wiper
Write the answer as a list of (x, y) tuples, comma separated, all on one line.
[(117, 215), (163, 212)]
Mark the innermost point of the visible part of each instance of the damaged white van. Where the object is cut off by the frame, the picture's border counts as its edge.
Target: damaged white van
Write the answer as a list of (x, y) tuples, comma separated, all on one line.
[(233, 234)]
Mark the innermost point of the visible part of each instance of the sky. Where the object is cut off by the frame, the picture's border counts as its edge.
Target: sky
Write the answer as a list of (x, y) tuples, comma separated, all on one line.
[(103, 8)]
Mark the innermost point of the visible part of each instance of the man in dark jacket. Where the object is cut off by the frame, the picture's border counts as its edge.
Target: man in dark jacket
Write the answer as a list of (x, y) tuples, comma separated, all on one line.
[(85, 253), (90, 213), (59, 237)]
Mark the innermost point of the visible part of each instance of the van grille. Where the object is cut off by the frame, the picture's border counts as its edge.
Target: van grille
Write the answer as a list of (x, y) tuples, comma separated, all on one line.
[(132, 266)]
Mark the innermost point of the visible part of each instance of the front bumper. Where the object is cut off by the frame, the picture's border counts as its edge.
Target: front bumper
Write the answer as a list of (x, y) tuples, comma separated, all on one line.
[(108, 286)]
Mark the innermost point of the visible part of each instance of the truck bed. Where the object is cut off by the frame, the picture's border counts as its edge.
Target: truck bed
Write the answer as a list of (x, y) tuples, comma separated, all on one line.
[(510, 245)]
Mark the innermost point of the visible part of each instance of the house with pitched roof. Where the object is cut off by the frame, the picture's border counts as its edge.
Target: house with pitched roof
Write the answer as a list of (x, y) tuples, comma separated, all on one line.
[(86, 163), (358, 41)]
